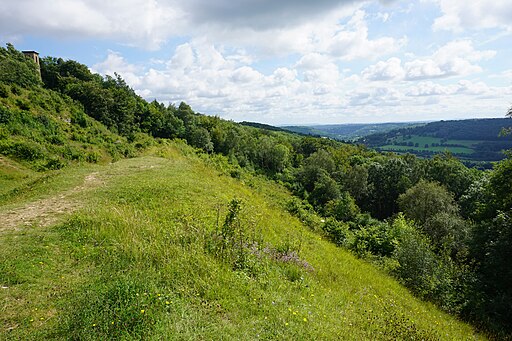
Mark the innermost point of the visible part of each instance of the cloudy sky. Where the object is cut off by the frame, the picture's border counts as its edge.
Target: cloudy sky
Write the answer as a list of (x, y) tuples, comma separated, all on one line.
[(287, 61)]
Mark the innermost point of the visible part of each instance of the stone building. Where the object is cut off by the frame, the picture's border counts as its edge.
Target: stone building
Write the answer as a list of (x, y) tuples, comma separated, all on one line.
[(35, 57)]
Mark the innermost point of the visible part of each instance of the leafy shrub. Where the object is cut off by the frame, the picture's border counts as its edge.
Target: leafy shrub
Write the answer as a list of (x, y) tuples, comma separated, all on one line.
[(22, 150), (79, 118), (338, 232), (4, 91), (15, 90), (22, 104), (54, 163), (418, 265), (343, 209), (305, 212)]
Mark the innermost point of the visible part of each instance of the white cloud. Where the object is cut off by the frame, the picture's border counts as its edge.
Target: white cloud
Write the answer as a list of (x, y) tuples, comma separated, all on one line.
[(115, 63), (474, 14), (456, 58), (388, 70), (352, 41), (137, 22), (377, 97)]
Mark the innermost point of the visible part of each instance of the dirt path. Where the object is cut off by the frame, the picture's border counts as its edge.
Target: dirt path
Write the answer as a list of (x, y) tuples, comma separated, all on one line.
[(47, 211)]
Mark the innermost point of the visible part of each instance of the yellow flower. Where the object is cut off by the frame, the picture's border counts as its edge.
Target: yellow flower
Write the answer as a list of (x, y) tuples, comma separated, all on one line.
[(305, 319), (167, 302), (286, 324), (94, 324), (142, 311)]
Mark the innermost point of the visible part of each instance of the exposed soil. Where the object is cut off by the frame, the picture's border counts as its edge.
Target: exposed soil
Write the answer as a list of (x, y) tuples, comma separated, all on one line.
[(47, 211)]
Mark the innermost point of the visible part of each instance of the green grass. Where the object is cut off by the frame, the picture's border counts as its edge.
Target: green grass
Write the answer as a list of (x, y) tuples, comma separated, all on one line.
[(440, 149), (464, 148), (141, 260)]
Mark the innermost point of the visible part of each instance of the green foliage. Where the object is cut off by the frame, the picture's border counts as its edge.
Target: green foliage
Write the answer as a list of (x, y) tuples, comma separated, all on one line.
[(45, 130), (338, 232), (387, 179), (17, 69), (4, 91), (84, 117), (372, 237), (343, 209), (418, 265), (143, 231), (426, 199)]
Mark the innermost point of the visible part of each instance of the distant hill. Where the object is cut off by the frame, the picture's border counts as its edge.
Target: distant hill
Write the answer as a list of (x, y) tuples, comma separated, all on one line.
[(474, 139), (262, 126), (347, 132)]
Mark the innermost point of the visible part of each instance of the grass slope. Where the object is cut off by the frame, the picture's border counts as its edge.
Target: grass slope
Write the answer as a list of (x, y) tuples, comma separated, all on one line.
[(141, 258)]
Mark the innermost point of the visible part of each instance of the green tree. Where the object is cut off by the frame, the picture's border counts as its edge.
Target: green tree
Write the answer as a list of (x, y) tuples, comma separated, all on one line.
[(325, 189), (343, 209), (200, 138), (388, 177), (426, 199), (451, 173), (17, 69)]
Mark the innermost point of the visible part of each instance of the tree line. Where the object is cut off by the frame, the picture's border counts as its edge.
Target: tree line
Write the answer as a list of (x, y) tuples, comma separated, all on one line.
[(443, 229)]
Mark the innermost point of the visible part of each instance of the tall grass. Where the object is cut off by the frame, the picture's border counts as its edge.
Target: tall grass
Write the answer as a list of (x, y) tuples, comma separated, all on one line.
[(147, 258)]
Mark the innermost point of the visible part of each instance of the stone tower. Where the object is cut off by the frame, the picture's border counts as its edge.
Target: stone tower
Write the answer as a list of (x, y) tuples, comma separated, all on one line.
[(35, 57)]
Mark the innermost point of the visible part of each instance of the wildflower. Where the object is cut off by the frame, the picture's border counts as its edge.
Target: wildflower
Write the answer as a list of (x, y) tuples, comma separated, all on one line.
[(142, 311), (94, 324), (305, 319), (167, 302), (286, 324)]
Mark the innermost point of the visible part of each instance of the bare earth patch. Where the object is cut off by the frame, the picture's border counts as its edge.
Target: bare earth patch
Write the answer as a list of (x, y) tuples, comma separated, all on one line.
[(46, 212)]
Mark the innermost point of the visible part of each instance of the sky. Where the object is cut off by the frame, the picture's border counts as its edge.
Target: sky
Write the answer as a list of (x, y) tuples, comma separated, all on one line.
[(287, 61)]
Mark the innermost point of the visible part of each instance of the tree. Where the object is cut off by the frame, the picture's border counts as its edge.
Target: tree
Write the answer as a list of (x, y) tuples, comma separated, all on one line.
[(387, 179), (451, 173), (17, 69), (325, 189), (424, 200), (343, 209), (200, 138)]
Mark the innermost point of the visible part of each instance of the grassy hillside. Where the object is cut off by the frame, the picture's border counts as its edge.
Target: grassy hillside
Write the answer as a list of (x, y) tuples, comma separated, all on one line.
[(45, 130), (165, 247)]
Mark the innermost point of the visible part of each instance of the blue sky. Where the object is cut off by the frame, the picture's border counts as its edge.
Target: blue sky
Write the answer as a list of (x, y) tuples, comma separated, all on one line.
[(287, 61)]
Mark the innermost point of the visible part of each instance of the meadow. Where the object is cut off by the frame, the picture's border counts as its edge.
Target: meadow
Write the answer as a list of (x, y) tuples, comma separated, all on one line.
[(169, 246)]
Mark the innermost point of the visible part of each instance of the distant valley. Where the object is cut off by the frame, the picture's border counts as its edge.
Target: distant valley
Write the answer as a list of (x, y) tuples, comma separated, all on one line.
[(475, 140)]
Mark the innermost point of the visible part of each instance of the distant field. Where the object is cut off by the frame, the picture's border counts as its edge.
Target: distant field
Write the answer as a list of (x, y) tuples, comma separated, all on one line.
[(454, 150), (430, 144), (476, 140)]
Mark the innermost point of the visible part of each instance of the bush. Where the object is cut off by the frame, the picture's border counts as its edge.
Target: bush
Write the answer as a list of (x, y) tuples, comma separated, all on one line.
[(4, 91), (418, 264), (22, 150), (338, 232), (343, 209)]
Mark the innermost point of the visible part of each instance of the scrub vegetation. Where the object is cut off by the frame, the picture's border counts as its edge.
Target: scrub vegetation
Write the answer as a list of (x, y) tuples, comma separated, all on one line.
[(156, 222)]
